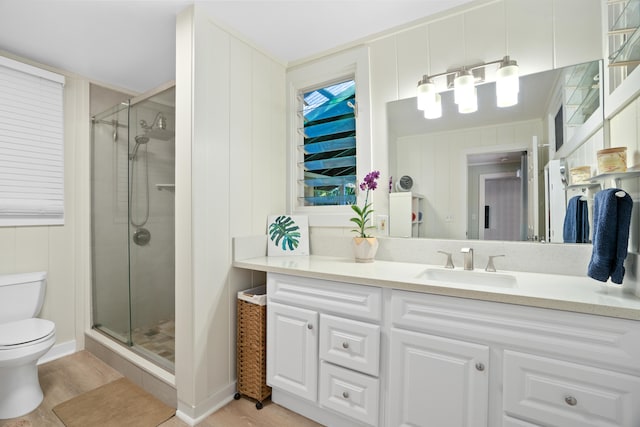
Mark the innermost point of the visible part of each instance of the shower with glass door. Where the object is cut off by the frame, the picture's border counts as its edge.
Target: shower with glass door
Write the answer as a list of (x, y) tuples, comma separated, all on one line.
[(133, 223)]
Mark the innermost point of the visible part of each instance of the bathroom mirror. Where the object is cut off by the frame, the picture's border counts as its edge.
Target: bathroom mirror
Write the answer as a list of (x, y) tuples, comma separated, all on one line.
[(465, 165)]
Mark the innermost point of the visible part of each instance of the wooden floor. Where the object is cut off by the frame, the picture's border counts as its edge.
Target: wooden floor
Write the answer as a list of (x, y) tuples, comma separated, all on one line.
[(72, 375)]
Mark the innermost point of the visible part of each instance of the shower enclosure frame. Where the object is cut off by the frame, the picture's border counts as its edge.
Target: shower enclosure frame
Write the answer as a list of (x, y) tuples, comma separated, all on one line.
[(132, 130)]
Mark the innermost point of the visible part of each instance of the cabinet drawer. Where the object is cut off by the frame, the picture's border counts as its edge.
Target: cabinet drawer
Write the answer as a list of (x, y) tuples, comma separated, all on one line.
[(360, 301), (513, 422), (350, 393), (350, 343), (563, 394)]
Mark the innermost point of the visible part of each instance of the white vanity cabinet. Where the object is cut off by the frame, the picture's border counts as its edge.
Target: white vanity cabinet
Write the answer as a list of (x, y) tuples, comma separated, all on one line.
[(323, 349), (355, 355), (460, 362)]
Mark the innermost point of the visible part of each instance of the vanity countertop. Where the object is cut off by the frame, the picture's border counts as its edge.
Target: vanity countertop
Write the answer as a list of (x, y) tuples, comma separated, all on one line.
[(569, 293)]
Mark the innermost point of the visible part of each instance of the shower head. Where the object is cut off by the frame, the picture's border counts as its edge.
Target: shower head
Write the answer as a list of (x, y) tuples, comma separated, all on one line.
[(161, 134), (159, 122), (157, 129), (140, 140)]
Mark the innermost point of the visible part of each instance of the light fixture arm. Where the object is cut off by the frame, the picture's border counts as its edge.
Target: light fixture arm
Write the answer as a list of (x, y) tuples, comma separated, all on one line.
[(464, 85), (505, 61)]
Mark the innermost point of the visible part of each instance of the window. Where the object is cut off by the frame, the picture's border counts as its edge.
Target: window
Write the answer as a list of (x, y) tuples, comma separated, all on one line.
[(559, 129), (31, 145), (328, 145), (329, 136)]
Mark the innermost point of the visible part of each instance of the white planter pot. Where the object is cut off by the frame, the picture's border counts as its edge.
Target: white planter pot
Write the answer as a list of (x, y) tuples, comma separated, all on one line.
[(365, 248)]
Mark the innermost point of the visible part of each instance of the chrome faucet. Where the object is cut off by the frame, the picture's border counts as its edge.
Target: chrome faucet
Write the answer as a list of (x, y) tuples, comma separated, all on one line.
[(490, 265), (449, 263), (468, 258)]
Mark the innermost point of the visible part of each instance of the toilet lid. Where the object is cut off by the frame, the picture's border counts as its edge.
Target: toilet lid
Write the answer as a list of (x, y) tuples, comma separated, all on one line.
[(24, 331)]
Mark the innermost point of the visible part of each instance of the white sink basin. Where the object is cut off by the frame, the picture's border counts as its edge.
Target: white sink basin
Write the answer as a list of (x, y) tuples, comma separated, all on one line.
[(466, 277)]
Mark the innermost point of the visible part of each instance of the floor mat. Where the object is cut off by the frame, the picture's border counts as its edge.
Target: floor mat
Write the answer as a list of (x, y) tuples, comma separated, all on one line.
[(119, 403)]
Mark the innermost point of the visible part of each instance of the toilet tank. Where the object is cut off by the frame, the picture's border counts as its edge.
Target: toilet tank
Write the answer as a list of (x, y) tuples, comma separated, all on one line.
[(21, 295)]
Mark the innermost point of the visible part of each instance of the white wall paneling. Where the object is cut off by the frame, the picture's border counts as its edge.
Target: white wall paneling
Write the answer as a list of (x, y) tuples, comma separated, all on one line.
[(485, 42), (413, 60), (575, 38), (530, 34), (384, 88), (229, 177), (446, 44)]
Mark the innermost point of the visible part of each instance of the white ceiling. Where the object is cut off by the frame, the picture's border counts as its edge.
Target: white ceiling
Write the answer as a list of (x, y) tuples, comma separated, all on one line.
[(131, 44)]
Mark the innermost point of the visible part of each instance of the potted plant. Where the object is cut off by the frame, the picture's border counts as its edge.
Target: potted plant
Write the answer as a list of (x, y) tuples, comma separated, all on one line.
[(364, 245)]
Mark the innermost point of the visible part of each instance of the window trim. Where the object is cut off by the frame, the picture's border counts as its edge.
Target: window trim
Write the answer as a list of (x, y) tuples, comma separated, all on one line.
[(353, 63)]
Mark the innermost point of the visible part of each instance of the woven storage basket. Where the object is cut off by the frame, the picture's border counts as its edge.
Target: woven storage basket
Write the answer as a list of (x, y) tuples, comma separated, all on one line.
[(251, 355)]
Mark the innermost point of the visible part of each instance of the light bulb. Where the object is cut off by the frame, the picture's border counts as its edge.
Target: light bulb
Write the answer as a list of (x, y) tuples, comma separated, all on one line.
[(469, 104), (434, 109), (507, 83), (426, 94), (463, 88)]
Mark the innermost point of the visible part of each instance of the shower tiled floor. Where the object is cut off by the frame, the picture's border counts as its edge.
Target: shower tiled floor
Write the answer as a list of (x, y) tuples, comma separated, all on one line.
[(158, 339)]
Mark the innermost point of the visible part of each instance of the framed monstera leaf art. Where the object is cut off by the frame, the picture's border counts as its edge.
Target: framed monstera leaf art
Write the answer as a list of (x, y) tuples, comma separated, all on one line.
[(287, 235)]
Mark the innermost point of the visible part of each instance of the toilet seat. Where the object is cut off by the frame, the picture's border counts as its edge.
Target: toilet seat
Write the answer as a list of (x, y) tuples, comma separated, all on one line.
[(25, 332)]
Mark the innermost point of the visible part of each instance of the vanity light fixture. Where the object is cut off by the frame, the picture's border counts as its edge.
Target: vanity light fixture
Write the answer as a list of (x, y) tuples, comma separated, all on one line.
[(464, 88)]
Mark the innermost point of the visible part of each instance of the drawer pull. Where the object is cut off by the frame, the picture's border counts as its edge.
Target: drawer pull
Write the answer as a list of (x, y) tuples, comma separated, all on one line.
[(309, 326), (345, 394), (345, 344), (480, 366), (571, 401)]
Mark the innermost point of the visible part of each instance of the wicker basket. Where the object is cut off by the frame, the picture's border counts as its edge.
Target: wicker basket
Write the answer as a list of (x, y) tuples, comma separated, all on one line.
[(251, 355)]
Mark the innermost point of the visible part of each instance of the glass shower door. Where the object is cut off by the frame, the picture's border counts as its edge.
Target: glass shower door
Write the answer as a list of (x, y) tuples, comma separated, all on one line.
[(152, 226), (109, 223)]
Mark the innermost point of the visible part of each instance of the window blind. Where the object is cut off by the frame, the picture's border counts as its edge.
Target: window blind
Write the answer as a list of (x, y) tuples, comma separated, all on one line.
[(31, 145), (329, 145)]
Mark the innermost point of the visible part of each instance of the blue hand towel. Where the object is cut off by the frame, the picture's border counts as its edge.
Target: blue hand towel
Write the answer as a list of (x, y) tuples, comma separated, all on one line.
[(583, 225), (611, 221), (576, 221)]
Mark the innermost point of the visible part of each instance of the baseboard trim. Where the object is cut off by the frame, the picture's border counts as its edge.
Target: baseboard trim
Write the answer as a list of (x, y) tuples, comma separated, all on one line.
[(58, 351), (195, 415)]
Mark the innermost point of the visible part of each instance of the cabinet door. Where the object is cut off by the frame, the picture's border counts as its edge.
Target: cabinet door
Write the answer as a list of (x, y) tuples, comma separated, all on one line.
[(437, 381), (292, 350)]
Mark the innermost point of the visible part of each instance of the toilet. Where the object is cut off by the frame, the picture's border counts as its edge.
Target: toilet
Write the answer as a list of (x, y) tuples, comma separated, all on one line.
[(23, 340)]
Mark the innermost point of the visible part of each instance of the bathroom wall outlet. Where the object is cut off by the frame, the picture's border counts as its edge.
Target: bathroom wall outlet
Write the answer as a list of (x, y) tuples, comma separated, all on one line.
[(382, 224)]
